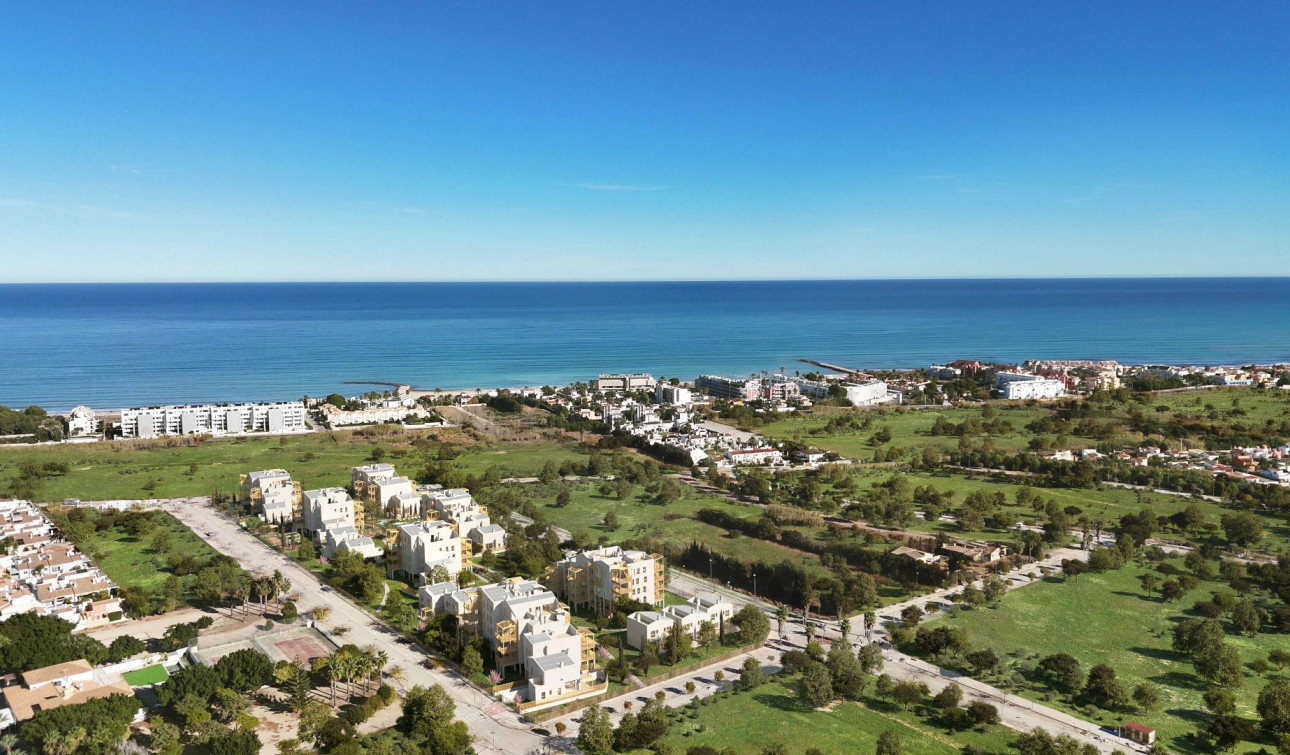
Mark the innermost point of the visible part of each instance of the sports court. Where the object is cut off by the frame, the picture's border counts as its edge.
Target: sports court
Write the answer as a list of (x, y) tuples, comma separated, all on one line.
[(296, 644)]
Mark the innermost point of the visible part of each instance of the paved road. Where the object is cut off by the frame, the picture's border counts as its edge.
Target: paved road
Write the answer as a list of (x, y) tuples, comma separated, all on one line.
[(489, 720), (152, 627)]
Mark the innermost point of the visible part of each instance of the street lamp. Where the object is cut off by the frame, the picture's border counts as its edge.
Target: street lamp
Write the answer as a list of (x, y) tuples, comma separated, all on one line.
[(709, 568), (754, 584)]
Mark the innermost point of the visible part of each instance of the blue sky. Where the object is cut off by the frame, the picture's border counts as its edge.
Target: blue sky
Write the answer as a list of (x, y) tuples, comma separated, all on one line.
[(667, 140)]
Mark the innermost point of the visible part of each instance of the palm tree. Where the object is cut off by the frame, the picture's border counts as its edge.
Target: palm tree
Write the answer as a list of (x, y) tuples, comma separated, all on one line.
[(844, 624), (870, 619), (281, 582), (781, 616), (10, 743), (321, 614)]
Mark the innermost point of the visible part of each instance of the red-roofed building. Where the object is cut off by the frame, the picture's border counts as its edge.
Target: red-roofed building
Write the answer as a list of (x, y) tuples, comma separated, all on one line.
[(1138, 733)]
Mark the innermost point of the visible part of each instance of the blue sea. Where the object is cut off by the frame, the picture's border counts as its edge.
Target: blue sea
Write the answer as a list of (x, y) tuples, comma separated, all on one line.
[(113, 345)]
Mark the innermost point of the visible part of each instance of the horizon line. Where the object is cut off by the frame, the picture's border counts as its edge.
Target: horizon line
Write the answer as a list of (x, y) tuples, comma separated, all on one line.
[(589, 281)]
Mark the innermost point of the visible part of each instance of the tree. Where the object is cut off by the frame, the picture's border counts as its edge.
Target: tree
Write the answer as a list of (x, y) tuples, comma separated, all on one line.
[(949, 697), (1274, 706), (753, 625), (993, 587), (595, 732), (229, 704), (750, 674), (1192, 635), (972, 597), (1279, 658), (870, 657), (28, 641), (889, 743), (1246, 617), (1171, 590), (1242, 528), (165, 737), (708, 634), (611, 521), (908, 694), (1147, 696), (816, 686), (677, 643), (290, 613), (237, 742), (1226, 731), (1063, 671), (983, 661), (1149, 582), (1103, 689), (647, 658), (472, 664), (125, 646), (846, 674), (1220, 666), (982, 713), (245, 670)]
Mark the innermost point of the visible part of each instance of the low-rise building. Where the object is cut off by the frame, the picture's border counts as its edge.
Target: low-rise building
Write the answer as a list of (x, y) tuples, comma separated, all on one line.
[(734, 389), (1019, 385), (348, 540), (598, 579), (363, 479), (325, 509), (740, 457), (673, 395), (54, 686), (653, 626), (82, 422)]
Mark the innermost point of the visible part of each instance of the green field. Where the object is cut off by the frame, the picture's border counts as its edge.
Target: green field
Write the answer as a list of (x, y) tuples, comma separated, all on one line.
[(146, 676), (132, 563), (168, 468), (1108, 618), (772, 714)]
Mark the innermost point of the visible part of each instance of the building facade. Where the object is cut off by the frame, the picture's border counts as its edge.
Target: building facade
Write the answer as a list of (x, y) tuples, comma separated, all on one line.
[(213, 419), (598, 579)]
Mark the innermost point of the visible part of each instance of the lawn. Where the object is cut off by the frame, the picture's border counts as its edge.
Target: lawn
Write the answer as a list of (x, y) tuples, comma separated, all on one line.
[(1108, 618), (146, 676), (771, 714)]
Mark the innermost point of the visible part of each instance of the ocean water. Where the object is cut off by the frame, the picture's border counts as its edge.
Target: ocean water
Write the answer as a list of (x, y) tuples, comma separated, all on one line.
[(113, 345)]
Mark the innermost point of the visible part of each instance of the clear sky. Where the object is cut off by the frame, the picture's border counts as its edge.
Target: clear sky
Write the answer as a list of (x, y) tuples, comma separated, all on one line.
[(662, 140)]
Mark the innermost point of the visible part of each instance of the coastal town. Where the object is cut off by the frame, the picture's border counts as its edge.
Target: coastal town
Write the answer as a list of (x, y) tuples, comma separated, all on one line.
[(426, 560)]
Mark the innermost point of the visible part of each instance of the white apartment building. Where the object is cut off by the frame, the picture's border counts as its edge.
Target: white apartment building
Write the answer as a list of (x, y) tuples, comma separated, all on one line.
[(404, 506), (741, 457), (527, 627), (273, 494), (673, 395), (347, 539), (653, 626), (213, 419), (422, 546), (385, 490), (457, 507), (1018, 385), (638, 381), (362, 479), (326, 509), (82, 422), (599, 578), (736, 389), (865, 393)]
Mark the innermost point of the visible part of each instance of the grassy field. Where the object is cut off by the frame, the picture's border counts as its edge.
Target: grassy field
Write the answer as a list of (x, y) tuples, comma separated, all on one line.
[(172, 468), (1108, 618), (910, 428), (132, 562), (772, 714)]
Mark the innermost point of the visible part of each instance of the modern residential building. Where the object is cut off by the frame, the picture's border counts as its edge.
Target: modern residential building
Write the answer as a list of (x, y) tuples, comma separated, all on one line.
[(404, 506), (213, 419), (638, 381), (82, 422), (326, 509), (598, 579), (667, 393), (527, 627), (273, 495), (363, 479), (1019, 385), (653, 626), (421, 546), (776, 389), (735, 389), (457, 507), (865, 393), (347, 539)]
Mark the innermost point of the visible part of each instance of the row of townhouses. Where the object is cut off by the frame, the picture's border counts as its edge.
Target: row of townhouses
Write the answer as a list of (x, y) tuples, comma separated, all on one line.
[(42, 573)]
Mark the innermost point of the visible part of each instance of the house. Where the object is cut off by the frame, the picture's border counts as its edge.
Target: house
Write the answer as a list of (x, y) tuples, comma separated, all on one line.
[(1018, 385), (81, 422), (976, 552), (272, 492), (741, 457), (921, 557), (421, 546), (362, 479), (54, 686), (325, 509)]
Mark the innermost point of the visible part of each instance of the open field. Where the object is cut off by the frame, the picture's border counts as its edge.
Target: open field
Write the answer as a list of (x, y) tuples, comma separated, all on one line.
[(185, 467), (771, 714), (1108, 618), (132, 562)]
